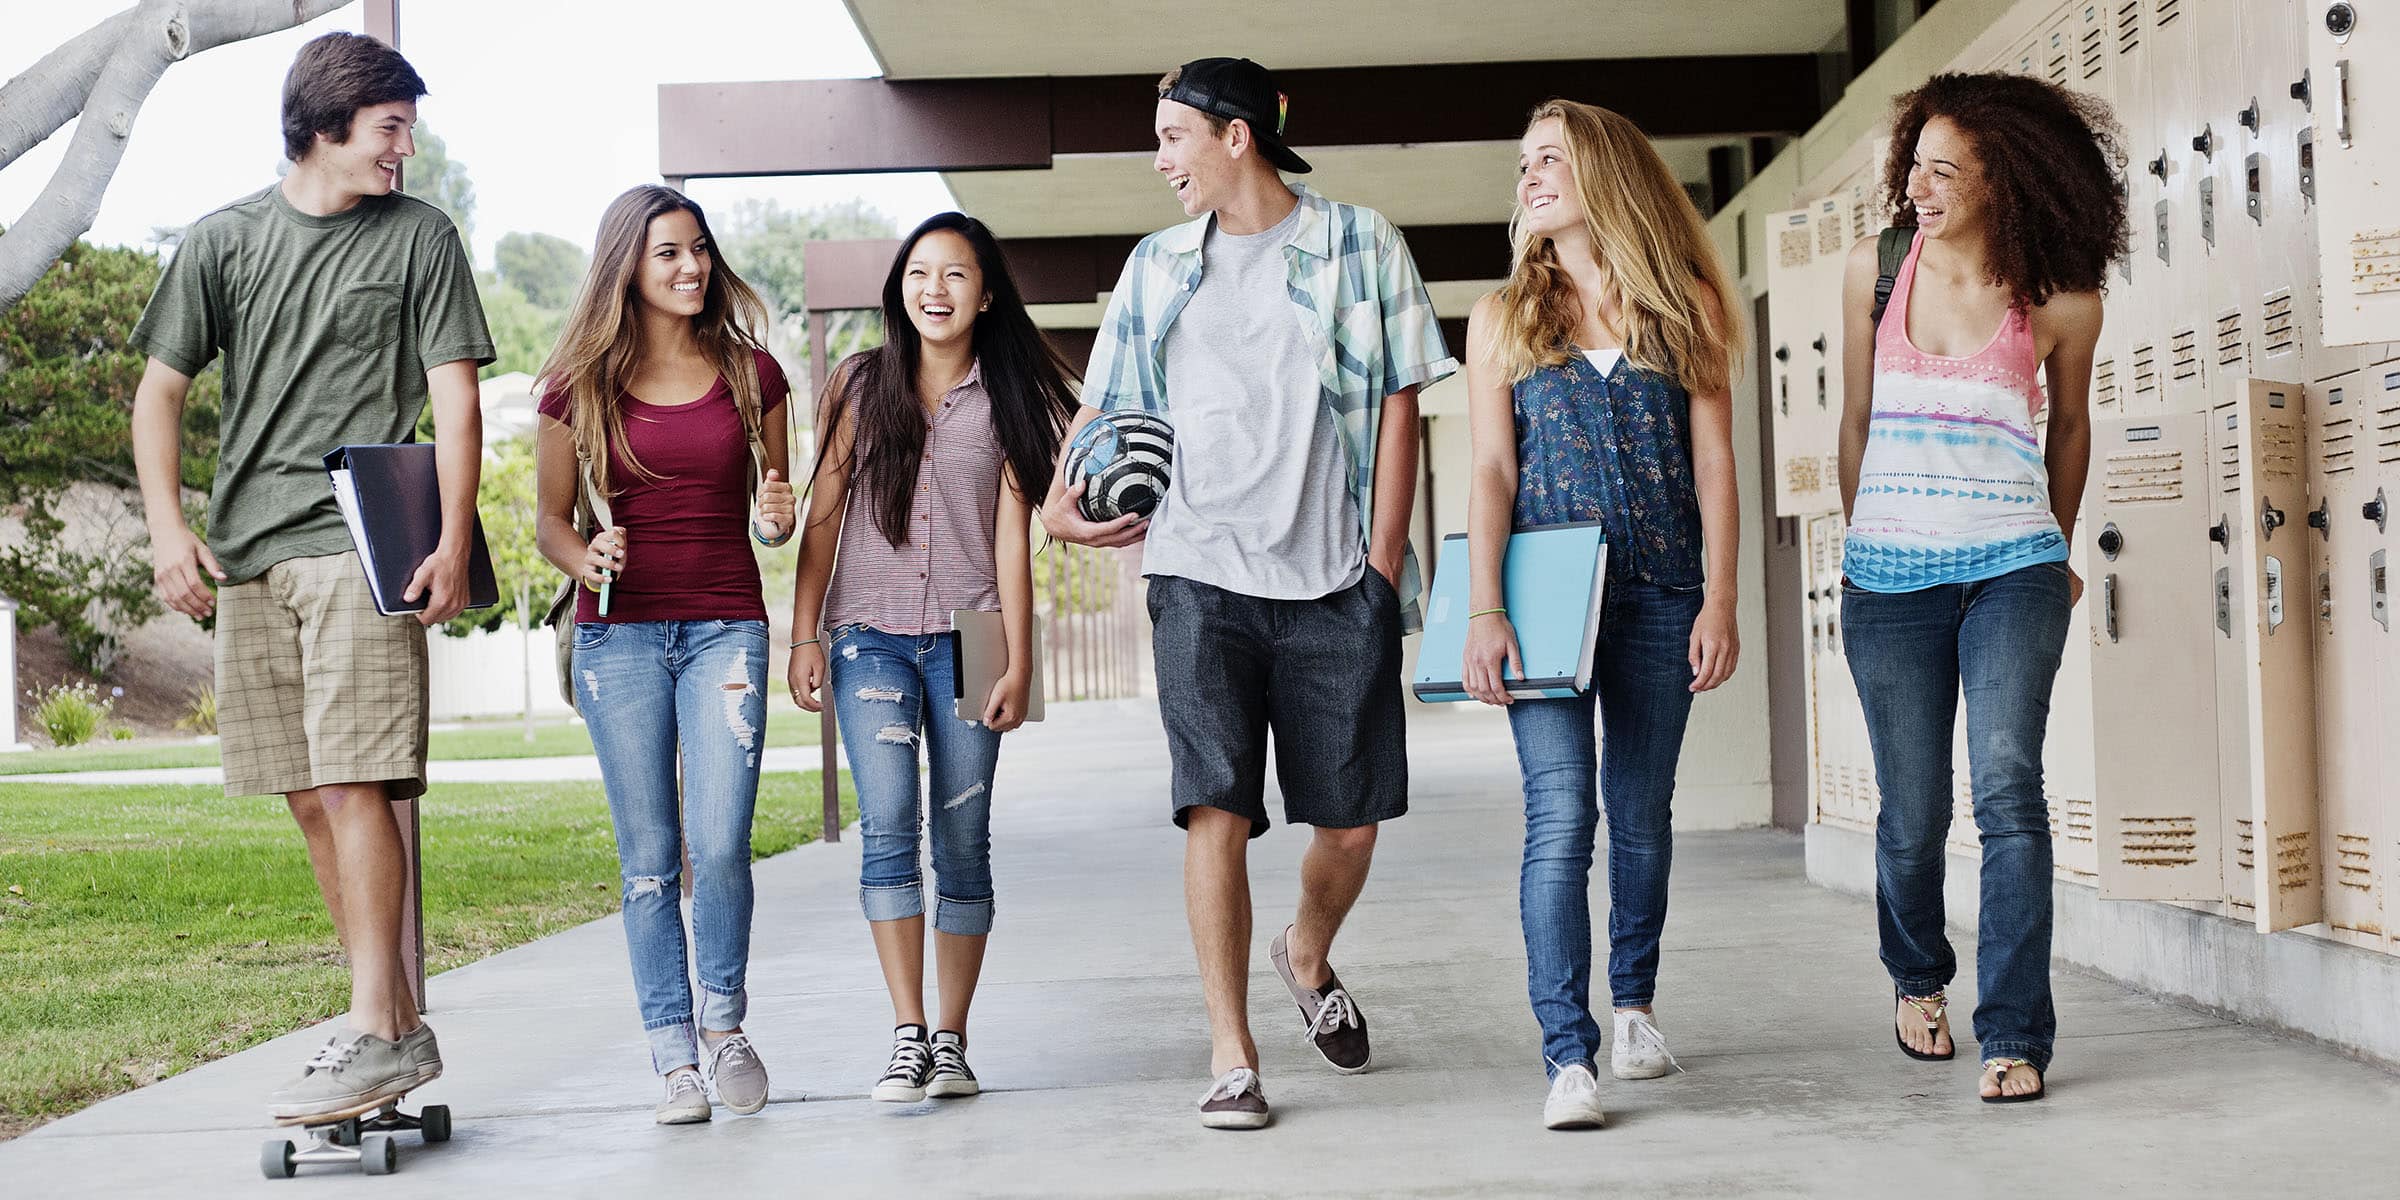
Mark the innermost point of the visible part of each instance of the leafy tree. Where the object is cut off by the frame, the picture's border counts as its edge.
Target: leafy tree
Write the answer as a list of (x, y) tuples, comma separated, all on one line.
[(434, 177), (67, 378), (545, 267), (522, 332), (763, 241), (505, 500)]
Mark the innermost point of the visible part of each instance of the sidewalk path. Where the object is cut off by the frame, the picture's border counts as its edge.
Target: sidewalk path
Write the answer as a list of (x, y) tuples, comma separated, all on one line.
[(564, 768), (1088, 1031)]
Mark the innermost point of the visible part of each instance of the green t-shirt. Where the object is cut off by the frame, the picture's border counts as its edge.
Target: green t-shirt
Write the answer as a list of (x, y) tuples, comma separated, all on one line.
[(328, 326)]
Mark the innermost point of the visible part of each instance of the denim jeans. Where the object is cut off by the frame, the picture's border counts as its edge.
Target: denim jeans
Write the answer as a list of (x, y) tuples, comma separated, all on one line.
[(1911, 653), (651, 691), (891, 692), (1641, 681)]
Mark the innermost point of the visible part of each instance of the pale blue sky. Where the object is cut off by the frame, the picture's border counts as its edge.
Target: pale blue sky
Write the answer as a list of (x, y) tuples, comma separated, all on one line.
[(551, 104)]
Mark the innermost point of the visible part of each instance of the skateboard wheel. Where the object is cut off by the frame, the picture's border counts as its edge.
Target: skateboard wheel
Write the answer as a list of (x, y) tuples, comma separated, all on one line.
[(345, 1132), (377, 1155), (275, 1159), (434, 1122)]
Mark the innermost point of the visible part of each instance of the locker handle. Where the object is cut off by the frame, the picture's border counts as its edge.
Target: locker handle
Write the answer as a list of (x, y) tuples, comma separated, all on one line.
[(2374, 510), (1783, 353), (2341, 101), (2206, 142), (2222, 532), (2300, 92), (2249, 117), (2270, 519), (2322, 519), (1818, 345), (2158, 166), (2108, 605)]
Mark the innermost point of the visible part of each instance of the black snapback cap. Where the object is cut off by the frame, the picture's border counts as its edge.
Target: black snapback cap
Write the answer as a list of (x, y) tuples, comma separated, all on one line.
[(1238, 88)]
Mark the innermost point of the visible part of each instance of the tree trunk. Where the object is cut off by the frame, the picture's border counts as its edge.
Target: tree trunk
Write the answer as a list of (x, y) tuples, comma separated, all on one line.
[(106, 74)]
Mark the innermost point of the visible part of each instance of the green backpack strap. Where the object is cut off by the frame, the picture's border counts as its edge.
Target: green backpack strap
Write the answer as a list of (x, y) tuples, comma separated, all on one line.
[(1891, 250)]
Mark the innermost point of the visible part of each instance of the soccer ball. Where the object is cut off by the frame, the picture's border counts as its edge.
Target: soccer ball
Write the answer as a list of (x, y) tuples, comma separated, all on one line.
[(1123, 457)]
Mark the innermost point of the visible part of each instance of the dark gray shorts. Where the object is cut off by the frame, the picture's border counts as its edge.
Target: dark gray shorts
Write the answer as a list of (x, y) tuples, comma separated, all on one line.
[(1323, 675)]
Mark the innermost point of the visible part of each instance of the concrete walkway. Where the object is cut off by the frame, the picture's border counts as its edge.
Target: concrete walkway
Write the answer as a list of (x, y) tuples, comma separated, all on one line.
[(1089, 1033), (562, 768)]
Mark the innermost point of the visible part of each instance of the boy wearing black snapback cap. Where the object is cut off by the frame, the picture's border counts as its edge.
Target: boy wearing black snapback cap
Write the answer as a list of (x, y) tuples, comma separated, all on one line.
[(1285, 336)]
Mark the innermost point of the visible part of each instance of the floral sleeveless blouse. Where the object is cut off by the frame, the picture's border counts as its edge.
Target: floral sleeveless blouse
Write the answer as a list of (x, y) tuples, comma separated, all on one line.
[(1615, 447)]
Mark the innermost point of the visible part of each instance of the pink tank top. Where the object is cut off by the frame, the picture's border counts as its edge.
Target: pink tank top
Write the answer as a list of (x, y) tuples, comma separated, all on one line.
[(947, 560)]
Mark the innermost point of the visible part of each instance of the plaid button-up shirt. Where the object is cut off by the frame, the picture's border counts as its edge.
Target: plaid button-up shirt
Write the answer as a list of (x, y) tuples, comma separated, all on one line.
[(1360, 300)]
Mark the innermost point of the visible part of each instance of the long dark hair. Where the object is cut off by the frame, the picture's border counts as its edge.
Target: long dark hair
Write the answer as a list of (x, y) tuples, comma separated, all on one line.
[(2057, 211), (1025, 375)]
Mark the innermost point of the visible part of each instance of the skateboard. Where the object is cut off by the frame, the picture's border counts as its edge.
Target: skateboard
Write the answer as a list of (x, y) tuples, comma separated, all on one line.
[(358, 1138)]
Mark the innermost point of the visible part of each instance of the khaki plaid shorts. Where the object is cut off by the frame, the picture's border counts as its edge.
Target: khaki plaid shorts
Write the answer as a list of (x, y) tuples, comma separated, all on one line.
[(316, 687)]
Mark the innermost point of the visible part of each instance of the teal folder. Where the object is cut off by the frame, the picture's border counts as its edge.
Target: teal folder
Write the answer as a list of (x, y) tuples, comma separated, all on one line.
[(1551, 582)]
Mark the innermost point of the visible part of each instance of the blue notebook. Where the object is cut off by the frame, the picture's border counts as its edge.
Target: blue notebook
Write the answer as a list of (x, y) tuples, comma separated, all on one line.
[(1552, 582)]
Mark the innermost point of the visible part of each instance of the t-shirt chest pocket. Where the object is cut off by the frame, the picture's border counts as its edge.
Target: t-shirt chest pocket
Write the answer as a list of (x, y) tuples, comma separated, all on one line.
[(366, 314)]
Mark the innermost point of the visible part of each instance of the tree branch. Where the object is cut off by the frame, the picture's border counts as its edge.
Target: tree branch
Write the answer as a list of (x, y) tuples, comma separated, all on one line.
[(147, 40), (36, 104)]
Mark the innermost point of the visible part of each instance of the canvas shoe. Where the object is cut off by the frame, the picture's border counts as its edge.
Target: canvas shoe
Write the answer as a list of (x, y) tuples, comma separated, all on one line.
[(951, 1075), (687, 1098), (1574, 1101), (1237, 1100), (346, 1077), (734, 1070), (1639, 1050), (912, 1065)]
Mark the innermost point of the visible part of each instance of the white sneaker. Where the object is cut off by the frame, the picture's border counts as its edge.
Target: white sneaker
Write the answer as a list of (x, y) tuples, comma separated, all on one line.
[(1574, 1101), (1640, 1050)]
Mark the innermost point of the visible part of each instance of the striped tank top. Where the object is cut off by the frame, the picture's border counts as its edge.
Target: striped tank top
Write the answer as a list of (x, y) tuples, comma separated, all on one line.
[(1952, 488), (947, 561)]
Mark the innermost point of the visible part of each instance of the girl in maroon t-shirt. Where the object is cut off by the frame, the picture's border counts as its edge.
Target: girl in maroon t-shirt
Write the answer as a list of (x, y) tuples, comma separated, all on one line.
[(661, 402), (929, 447)]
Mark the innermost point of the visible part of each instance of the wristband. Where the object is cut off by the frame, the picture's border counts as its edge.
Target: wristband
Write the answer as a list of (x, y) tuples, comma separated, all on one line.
[(1487, 612), (780, 538), (809, 642)]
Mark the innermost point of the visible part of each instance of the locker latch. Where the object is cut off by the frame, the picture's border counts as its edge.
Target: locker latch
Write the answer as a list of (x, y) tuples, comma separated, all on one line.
[(2377, 598), (2321, 519), (2208, 210), (2253, 188), (2308, 165), (2270, 519), (2225, 601), (2206, 142), (2249, 117), (2374, 510), (2222, 532), (2274, 582), (2300, 92), (2108, 605)]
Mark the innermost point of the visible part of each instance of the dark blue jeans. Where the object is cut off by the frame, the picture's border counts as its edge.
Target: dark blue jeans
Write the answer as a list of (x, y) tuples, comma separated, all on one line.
[(1912, 653), (1641, 681)]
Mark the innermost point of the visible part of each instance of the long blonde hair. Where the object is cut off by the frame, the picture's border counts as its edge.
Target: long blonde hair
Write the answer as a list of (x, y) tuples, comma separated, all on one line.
[(1653, 248), (601, 344)]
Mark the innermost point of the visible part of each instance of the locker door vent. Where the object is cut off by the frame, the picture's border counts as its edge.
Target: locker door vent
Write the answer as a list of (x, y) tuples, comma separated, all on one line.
[(2145, 370), (2167, 11), (2387, 421), (2073, 817), (2227, 455), (2158, 841), (2183, 355), (2233, 349), (2093, 48), (2129, 26), (2295, 860), (2060, 54), (1804, 472), (2104, 385), (1792, 245), (2375, 261), (2245, 854), (2144, 477), (2354, 862), (2338, 444), (2278, 332), (2280, 451), (1830, 228)]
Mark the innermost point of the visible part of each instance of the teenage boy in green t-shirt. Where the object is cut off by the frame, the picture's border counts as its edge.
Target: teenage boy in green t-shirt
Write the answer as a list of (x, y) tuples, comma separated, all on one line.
[(341, 307)]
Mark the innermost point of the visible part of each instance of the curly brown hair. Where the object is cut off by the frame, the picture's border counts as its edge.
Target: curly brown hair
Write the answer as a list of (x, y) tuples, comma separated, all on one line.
[(2050, 159)]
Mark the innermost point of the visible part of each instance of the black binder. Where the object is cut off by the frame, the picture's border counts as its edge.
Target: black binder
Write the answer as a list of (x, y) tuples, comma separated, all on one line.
[(391, 497)]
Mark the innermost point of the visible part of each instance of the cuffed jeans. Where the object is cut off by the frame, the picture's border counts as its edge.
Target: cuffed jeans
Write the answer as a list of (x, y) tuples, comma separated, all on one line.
[(891, 691), (649, 691), (1911, 653), (1641, 682)]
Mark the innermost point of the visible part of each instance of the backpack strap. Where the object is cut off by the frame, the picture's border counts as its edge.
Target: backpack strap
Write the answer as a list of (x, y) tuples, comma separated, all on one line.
[(1891, 250)]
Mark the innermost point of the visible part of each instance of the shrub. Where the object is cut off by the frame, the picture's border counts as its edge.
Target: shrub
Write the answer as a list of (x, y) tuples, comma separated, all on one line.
[(70, 713), (201, 717)]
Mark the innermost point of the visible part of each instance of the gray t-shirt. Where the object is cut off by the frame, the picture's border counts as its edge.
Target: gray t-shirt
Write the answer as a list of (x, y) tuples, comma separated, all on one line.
[(328, 326), (1259, 501)]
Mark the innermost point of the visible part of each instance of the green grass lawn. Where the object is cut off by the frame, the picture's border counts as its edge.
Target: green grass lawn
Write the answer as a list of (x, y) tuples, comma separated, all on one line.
[(481, 740), (146, 930)]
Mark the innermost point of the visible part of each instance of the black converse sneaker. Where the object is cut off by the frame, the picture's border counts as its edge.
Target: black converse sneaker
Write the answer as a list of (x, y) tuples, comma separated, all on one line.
[(912, 1064), (951, 1076)]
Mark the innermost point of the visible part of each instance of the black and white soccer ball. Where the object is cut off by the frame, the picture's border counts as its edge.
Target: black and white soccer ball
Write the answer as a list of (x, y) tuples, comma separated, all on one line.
[(1123, 458)]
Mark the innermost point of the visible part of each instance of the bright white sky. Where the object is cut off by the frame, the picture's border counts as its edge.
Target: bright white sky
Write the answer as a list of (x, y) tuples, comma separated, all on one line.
[(552, 106)]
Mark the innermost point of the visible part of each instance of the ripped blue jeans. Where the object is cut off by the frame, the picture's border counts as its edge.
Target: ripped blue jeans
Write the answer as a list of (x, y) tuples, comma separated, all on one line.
[(892, 692), (650, 690)]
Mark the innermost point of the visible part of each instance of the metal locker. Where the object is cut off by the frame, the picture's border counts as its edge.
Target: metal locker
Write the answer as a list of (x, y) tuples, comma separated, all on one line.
[(1842, 776), (2354, 69), (1812, 469), (2056, 47), (2068, 748), (2094, 27), (2159, 819), (2167, 214), (2266, 688), (2271, 126), (2354, 650), (1791, 252)]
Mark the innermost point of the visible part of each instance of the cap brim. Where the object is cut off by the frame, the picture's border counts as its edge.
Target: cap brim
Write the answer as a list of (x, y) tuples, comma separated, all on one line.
[(1281, 155)]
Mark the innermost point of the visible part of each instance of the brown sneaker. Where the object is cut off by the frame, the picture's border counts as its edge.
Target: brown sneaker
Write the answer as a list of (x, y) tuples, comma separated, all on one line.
[(1334, 1025), (1236, 1101)]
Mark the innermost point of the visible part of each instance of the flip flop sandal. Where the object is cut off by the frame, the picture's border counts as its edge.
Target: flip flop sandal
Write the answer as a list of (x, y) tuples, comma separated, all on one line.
[(2002, 1066), (1931, 1008)]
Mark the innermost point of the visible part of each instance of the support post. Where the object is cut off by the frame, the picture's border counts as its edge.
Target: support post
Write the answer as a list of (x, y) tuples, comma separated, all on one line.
[(820, 372)]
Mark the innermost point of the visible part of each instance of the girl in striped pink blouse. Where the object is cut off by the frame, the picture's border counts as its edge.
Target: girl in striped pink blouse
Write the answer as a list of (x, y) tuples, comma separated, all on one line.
[(928, 449)]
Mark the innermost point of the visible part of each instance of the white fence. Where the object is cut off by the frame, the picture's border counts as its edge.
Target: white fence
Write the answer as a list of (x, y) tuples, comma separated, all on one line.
[(488, 675)]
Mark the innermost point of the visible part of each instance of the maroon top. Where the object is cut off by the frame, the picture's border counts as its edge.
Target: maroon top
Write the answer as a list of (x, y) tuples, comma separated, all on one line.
[(687, 530)]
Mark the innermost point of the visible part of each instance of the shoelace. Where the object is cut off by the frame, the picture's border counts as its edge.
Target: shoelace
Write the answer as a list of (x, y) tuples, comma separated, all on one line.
[(683, 1081), (333, 1055), (1333, 1012), (908, 1060), (1233, 1083), (950, 1058), (731, 1050), (1644, 1035)]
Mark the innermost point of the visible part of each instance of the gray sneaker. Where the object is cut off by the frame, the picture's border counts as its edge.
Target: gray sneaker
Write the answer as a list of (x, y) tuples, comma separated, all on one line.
[(687, 1098), (740, 1079), (347, 1077), (1236, 1101), (422, 1050)]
